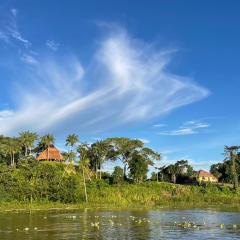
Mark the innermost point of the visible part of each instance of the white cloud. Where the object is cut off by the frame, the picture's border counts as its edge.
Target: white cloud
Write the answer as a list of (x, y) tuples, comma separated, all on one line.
[(14, 12), (144, 140), (188, 128), (28, 59), (52, 45), (159, 125), (126, 82), (5, 114), (9, 31)]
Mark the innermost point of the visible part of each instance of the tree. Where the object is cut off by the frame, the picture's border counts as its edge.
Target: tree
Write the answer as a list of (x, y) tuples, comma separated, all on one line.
[(181, 171), (223, 171), (84, 165), (124, 149), (27, 140), (117, 175), (10, 147), (138, 166), (100, 152), (71, 141), (47, 140), (231, 153)]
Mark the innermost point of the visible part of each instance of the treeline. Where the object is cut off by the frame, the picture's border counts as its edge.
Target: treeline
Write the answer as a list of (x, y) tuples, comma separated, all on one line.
[(23, 178), (228, 171), (180, 172), (135, 157)]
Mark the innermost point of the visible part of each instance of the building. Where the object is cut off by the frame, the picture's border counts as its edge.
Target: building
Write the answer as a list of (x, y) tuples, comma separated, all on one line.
[(50, 154), (204, 176)]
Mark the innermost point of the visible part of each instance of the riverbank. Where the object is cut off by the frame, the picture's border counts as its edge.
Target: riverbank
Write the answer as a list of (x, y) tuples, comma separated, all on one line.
[(146, 195)]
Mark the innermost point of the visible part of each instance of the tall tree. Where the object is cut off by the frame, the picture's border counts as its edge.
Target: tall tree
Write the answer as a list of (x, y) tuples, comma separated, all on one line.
[(124, 149), (47, 140), (27, 140), (117, 175), (71, 141), (231, 153), (83, 150), (100, 152), (138, 167), (10, 147)]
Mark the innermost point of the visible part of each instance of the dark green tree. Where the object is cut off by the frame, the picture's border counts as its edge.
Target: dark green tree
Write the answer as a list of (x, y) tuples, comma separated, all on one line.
[(27, 140), (231, 153), (117, 175)]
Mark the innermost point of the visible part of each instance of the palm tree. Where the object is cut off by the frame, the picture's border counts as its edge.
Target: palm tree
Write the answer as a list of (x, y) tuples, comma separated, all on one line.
[(84, 165), (10, 147), (47, 140), (27, 140), (71, 141)]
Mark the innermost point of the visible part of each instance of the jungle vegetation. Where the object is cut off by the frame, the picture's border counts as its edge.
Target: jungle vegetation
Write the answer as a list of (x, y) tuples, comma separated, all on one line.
[(80, 177)]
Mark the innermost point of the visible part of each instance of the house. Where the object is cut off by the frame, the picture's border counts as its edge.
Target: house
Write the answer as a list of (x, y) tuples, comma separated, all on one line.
[(204, 176), (50, 154)]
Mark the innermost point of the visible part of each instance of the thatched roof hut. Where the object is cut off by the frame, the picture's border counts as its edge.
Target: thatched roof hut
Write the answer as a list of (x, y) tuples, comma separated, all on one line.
[(50, 154)]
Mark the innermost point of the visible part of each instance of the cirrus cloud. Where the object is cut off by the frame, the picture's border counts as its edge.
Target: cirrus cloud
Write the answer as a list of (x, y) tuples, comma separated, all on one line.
[(127, 81)]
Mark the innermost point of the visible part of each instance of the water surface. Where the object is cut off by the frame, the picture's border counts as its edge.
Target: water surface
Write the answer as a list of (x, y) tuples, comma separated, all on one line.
[(120, 224)]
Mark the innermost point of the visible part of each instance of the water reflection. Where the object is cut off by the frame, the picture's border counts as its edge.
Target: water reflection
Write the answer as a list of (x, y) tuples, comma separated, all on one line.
[(132, 224)]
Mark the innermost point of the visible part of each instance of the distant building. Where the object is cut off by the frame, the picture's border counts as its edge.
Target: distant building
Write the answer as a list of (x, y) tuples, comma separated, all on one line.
[(204, 176), (50, 154)]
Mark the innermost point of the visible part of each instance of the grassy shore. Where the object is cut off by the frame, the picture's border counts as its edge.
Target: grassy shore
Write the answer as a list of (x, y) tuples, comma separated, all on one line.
[(146, 195)]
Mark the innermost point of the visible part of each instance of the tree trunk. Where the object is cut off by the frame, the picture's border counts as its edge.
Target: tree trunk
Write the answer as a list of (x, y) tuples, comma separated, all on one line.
[(174, 178), (125, 171), (100, 172), (234, 171), (13, 160), (84, 182)]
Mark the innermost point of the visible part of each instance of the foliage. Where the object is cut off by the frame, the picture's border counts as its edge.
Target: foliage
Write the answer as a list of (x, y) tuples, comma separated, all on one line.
[(179, 172), (117, 175), (138, 166)]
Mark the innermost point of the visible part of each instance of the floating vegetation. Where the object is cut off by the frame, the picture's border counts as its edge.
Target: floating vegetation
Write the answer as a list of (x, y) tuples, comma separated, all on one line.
[(95, 225)]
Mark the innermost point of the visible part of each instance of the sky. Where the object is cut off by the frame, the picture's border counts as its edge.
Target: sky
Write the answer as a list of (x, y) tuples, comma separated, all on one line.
[(165, 72)]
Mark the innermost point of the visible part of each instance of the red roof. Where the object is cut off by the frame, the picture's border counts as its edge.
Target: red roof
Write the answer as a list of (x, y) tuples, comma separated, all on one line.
[(51, 153), (203, 173)]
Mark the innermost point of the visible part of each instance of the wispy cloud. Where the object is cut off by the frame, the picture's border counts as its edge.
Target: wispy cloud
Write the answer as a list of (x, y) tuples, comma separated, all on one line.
[(52, 45), (14, 12), (126, 82), (28, 59), (159, 125), (9, 31), (144, 140), (188, 128)]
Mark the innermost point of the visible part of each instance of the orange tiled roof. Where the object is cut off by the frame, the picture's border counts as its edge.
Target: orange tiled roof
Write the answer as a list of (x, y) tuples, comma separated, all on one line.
[(51, 153), (203, 173)]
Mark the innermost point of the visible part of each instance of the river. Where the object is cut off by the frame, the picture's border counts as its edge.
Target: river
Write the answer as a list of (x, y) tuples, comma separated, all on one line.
[(120, 224)]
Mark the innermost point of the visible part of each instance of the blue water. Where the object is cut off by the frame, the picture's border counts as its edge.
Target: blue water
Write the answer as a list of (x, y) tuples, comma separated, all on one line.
[(120, 224)]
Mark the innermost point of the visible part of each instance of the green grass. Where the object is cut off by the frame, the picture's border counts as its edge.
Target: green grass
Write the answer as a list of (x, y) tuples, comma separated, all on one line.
[(149, 194)]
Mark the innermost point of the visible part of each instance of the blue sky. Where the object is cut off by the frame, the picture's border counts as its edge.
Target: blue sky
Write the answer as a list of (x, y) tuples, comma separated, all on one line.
[(166, 72)]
